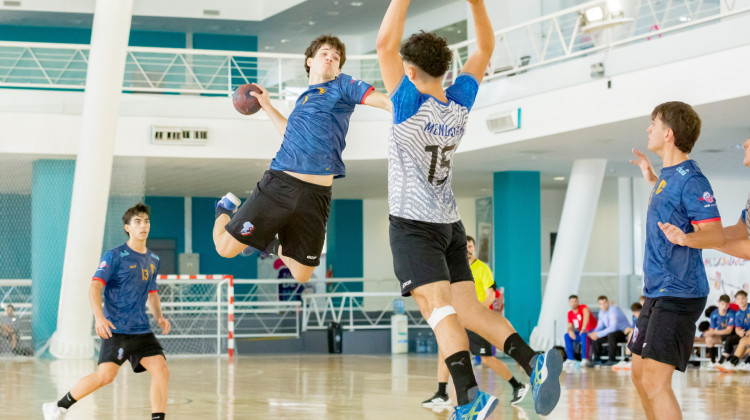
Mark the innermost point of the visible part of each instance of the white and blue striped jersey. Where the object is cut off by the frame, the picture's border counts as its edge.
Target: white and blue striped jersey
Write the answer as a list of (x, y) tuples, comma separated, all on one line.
[(421, 144)]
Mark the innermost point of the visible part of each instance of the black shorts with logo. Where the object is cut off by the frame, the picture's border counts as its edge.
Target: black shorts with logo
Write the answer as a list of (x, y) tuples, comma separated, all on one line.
[(478, 345), (665, 330), (425, 253), (294, 209), (132, 347)]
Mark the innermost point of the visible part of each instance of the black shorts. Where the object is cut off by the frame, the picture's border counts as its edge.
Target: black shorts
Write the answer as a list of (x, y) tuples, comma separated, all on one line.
[(665, 330), (425, 253), (121, 347), (478, 345), (295, 210)]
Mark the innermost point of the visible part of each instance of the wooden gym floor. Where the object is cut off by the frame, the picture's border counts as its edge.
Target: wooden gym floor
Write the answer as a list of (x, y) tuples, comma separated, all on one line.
[(340, 387)]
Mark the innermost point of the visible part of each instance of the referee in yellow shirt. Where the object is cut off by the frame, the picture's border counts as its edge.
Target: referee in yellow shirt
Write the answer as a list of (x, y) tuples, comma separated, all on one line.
[(485, 286)]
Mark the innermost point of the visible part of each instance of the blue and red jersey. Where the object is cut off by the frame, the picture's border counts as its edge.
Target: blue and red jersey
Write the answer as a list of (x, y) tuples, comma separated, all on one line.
[(683, 197), (316, 129), (128, 278)]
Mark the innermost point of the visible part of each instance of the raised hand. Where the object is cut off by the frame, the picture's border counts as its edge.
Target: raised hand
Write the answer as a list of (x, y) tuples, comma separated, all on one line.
[(264, 99), (646, 168)]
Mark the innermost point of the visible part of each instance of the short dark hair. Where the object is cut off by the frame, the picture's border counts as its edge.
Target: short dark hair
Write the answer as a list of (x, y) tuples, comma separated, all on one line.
[(710, 310), (470, 239), (704, 326), (318, 42), (602, 297), (724, 298), (572, 297), (636, 307), (133, 211), (429, 52), (741, 292), (684, 122), (10, 305)]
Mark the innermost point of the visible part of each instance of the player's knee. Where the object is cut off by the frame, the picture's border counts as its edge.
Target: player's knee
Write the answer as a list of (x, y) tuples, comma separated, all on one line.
[(161, 371), (439, 314), (105, 377)]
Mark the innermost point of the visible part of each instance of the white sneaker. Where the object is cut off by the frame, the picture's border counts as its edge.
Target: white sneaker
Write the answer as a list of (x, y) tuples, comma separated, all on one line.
[(52, 412), (569, 364), (726, 367), (743, 367), (585, 363), (708, 366)]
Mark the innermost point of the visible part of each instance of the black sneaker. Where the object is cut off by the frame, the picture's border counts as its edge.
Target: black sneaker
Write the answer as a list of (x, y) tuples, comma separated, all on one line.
[(437, 400), (519, 393)]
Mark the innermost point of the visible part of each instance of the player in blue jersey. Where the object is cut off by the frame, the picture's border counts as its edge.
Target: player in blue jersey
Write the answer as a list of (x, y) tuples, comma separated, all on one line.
[(293, 198), (682, 219), (428, 240), (721, 328), (741, 331), (128, 276)]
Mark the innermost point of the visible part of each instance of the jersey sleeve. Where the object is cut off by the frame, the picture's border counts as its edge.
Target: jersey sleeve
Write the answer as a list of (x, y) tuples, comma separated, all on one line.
[(353, 91), (464, 90), (730, 318), (487, 280), (698, 199), (107, 268), (406, 100)]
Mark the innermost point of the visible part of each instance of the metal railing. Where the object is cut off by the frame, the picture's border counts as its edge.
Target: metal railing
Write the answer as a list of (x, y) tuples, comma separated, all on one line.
[(546, 40)]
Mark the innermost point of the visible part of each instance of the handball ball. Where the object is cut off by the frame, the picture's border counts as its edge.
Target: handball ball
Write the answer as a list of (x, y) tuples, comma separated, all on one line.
[(245, 103)]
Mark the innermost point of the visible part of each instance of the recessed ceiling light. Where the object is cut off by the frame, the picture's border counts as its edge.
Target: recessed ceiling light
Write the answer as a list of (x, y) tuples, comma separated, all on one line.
[(559, 178), (311, 23), (268, 47), (333, 13), (356, 3), (685, 19), (284, 41)]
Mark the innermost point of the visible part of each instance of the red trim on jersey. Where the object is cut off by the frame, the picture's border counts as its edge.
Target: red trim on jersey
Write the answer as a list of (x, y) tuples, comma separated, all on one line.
[(715, 219), (153, 291), (100, 279), (369, 91)]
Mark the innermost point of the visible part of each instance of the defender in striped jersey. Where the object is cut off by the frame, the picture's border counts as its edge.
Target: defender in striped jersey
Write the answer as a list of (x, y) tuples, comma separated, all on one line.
[(427, 237)]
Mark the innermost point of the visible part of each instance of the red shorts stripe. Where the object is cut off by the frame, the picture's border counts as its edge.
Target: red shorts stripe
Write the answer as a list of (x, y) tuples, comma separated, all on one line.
[(697, 222)]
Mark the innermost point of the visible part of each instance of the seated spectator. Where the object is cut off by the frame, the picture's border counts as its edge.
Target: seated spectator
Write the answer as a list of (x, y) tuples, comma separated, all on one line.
[(721, 328), (741, 336), (580, 321), (9, 330), (610, 329), (635, 308)]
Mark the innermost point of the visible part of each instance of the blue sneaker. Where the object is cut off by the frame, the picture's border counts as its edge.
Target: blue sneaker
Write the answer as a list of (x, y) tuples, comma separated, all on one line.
[(478, 409), (229, 202), (545, 381)]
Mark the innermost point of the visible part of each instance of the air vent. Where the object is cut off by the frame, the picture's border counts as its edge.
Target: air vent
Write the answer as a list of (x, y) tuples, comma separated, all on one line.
[(180, 136), (207, 12), (504, 121), (11, 3)]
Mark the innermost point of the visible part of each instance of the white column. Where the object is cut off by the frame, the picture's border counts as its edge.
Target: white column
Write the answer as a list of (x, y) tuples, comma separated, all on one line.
[(88, 208), (625, 241), (188, 225), (576, 223)]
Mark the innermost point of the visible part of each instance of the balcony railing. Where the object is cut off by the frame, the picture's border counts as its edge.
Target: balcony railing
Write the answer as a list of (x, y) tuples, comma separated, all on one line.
[(546, 40)]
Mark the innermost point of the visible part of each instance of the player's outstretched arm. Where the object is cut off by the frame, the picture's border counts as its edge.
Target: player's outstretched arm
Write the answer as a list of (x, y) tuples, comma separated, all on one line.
[(379, 100), (480, 58), (647, 169), (706, 235), (387, 45), (264, 99), (103, 326), (154, 304)]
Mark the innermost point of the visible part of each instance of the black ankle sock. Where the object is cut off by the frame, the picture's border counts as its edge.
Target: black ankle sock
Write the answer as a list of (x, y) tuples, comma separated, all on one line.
[(734, 360), (722, 359), (158, 416), (514, 383), (459, 365), (66, 401), (443, 388), (519, 351), (712, 354)]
